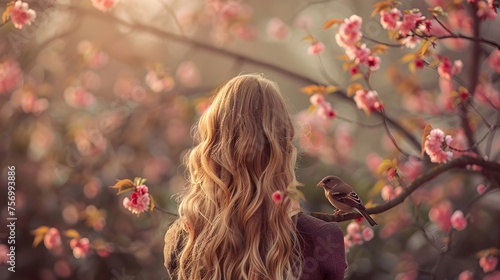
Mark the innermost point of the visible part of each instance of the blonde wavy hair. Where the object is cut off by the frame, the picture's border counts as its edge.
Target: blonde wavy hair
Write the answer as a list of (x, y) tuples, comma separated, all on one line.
[(229, 227)]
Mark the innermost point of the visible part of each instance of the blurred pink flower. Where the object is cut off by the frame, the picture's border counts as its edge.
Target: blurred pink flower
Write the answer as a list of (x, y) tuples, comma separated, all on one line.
[(157, 82), (52, 239), (458, 221), (466, 275), (492, 276), (486, 10), (317, 99), (411, 42), (277, 29), (411, 169), (10, 75), (278, 197), (388, 192), (139, 200), (21, 14), (373, 62), (373, 161), (494, 60), (367, 233), (244, 32), (368, 101), (353, 228), (90, 142), (349, 32), (447, 70), (188, 74), (91, 54), (80, 247), (481, 189), (409, 23), (488, 263), (441, 215), (104, 5), (460, 21), (390, 19), (316, 48), (487, 94), (4, 250), (326, 111), (358, 54), (434, 146), (356, 239), (78, 97), (303, 22), (31, 104)]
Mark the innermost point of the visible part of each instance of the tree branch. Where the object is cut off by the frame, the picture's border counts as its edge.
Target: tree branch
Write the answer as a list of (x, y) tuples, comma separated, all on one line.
[(458, 163)]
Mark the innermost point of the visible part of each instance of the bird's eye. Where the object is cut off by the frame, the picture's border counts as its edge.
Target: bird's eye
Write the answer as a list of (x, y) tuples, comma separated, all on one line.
[(327, 180)]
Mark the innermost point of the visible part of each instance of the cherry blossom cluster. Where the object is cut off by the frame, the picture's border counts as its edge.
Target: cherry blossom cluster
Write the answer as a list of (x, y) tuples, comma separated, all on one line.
[(10, 75), (357, 235), (229, 18), (488, 263), (368, 101), (139, 200), (324, 108), (405, 25), (104, 5), (349, 37), (435, 144), (20, 14)]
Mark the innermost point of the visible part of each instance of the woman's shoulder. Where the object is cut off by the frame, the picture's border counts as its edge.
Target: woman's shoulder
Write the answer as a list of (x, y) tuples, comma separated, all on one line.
[(309, 225)]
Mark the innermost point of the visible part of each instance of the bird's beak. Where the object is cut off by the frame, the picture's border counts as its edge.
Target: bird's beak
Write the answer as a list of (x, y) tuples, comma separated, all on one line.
[(321, 184)]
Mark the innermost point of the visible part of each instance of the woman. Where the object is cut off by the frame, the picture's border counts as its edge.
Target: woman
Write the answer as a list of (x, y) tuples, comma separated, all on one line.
[(229, 227)]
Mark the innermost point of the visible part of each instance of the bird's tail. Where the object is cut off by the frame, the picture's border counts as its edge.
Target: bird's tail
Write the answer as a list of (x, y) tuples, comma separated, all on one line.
[(367, 217)]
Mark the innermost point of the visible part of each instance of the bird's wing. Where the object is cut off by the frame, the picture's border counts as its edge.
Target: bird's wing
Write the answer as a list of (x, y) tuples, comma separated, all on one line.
[(351, 199)]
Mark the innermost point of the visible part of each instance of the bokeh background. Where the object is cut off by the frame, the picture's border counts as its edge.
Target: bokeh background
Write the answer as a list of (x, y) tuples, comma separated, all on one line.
[(105, 95)]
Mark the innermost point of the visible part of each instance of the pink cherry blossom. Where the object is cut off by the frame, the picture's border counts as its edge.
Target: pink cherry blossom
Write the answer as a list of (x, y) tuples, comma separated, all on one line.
[(349, 32), (481, 189), (447, 70), (356, 239), (104, 5), (466, 275), (21, 14), (388, 192), (188, 74), (139, 200), (10, 75), (158, 83), (434, 144), (316, 48), (31, 104), (80, 247), (367, 233), (373, 62), (410, 41), (52, 239), (411, 169), (317, 99), (486, 11), (440, 214), (277, 29), (409, 23), (373, 161), (358, 54), (278, 197), (367, 100), (458, 221), (494, 60), (4, 250), (326, 111), (78, 97), (390, 19), (460, 21), (488, 263), (353, 228)]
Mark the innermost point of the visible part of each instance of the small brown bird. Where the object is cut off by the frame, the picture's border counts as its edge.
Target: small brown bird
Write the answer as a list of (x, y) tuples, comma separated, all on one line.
[(343, 197)]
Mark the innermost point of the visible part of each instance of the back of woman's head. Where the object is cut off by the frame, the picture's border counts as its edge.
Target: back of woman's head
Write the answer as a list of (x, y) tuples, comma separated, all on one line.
[(244, 154)]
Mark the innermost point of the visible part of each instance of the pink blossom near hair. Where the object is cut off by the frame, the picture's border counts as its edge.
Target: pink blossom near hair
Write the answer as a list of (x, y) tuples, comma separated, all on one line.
[(104, 5), (317, 99), (326, 111), (10, 76), (466, 275), (277, 29), (494, 60), (488, 263), (316, 48), (21, 14), (367, 233), (52, 239), (278, 196), (390, 19), (80, 247), (458, 221), (139, 200)]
